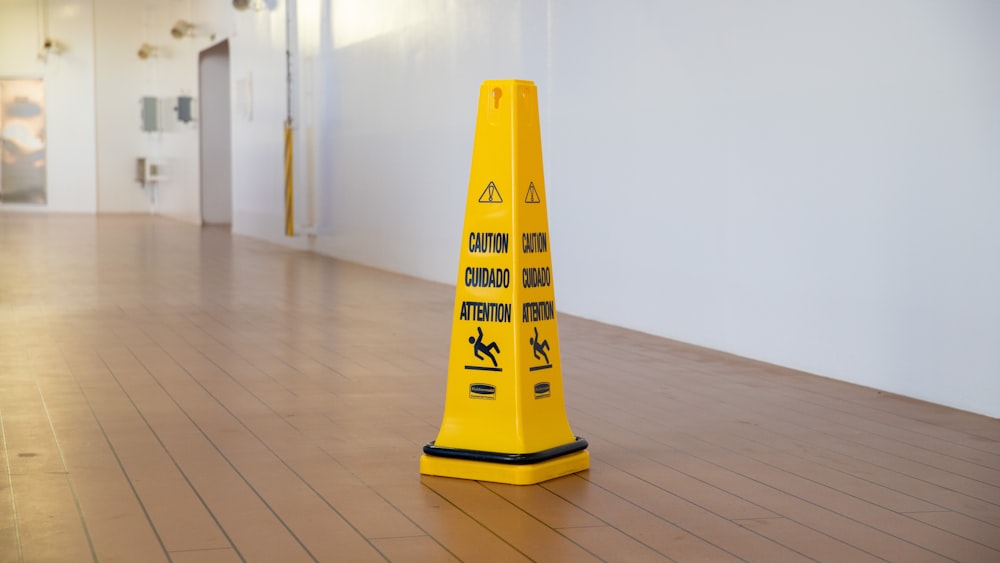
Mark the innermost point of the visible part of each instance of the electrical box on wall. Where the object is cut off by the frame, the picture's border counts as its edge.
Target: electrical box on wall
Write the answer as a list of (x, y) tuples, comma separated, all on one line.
[(187, 109), (164, 115), (149, 170), (150, 114)]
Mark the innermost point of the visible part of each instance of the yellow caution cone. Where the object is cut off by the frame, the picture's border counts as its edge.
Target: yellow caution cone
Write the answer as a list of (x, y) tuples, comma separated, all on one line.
[(504, 416)]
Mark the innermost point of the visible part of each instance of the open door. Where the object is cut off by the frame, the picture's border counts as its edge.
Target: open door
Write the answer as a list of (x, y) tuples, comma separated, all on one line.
[(216, 141)]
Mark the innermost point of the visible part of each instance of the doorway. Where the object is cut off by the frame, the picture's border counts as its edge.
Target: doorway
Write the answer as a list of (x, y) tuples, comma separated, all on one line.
[(22, 132), (215, 136)]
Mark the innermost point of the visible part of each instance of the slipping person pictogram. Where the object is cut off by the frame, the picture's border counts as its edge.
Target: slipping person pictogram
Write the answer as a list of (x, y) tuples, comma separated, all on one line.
[(539, 347), (478, 346)]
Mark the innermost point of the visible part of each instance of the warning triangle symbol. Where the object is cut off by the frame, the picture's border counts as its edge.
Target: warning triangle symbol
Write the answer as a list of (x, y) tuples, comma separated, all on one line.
[(532, 196), (491, 195)]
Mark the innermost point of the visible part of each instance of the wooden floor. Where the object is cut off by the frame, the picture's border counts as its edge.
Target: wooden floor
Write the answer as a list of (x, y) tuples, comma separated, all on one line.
[(172, 393)]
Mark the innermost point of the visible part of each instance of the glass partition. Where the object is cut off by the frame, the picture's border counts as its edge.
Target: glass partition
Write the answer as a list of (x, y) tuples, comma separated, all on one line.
[(22, 129)]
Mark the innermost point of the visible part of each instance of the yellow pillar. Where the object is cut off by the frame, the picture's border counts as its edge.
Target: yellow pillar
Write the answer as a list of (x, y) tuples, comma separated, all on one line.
[(289, 184)]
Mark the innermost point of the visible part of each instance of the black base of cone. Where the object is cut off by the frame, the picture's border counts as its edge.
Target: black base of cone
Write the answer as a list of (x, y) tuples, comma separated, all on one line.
[(511, 459)]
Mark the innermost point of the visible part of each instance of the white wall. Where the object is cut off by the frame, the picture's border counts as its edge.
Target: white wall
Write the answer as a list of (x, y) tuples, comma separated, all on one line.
[(811, 185), (176, 74), (122, 78)]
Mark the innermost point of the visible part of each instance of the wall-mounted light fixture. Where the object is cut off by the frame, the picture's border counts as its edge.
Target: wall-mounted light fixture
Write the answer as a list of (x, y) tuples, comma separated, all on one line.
[(146, 50), (182, 29), (52, 46), (256, 5)]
